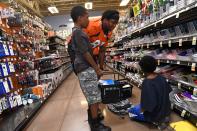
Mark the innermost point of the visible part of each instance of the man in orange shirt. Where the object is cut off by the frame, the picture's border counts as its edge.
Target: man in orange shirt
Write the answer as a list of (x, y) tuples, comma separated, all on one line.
[(99, 31)]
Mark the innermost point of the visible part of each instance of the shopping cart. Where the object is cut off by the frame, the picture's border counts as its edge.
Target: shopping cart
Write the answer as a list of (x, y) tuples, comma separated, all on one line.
[(115, 93), (114, 90)]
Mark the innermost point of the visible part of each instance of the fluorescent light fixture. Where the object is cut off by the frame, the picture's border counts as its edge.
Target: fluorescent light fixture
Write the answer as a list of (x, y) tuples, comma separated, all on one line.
[(53, 9), (124, 2), (88, 5)]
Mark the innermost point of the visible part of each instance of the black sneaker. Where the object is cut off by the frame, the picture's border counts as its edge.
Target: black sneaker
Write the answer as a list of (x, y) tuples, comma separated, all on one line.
[(100, 116), (99, 127)]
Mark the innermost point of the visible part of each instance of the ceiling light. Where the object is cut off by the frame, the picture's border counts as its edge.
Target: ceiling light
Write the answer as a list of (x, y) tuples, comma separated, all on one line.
[(88, 5), (124, 2), (53, 9)]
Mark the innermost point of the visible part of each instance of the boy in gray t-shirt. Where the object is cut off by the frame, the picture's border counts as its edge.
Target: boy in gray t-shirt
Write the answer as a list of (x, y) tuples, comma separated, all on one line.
[(85, 67)]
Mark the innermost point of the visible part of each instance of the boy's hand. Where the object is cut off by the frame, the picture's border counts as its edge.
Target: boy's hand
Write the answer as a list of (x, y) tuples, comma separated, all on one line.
[(99, 72)]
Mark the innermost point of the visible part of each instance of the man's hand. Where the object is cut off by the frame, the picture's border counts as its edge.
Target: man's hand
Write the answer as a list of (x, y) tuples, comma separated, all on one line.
[(99, 72)]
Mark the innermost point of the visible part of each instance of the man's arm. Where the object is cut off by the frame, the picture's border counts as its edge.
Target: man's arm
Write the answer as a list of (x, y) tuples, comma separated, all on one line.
[(102, 56)]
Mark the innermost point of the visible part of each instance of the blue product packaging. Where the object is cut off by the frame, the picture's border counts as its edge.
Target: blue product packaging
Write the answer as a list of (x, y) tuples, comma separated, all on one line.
[(10, 83), (2, 52), (1, 71), (2, 91), (4, 69), (8, 68), (5, 47)]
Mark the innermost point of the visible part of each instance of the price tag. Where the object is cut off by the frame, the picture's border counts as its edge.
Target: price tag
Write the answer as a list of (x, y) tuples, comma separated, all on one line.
[(168, 61), (142, 46), (162, 21), (183, 113), (172, 106), (139, 45), (193, 68), (177, 15), (153, 43), (179, 85), (147, 45), (180, 42), (158, 62), (169, 43), (1, 21), (178, 62), (155, 24), (194, 41), (167, 80), (161, 44)]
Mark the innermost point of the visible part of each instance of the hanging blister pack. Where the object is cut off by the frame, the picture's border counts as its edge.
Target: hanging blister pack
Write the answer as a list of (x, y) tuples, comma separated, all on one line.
[(2, 91), (19, 100), (3, 69), (11, 102), (5, 47), (11, 67), (2, 52), (15, 103), (10, 83), (8, 68), (6, 86), (1, 108), (11, 51), (5, 103)]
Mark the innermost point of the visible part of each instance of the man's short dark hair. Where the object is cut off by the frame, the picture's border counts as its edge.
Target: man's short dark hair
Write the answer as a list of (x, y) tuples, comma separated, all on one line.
[(77, 11), (148, 64), (111, 14)]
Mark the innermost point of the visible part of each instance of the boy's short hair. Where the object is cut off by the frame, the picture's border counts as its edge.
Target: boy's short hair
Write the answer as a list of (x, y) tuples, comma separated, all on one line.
[(148, 64), (77, 11), (111, 14)]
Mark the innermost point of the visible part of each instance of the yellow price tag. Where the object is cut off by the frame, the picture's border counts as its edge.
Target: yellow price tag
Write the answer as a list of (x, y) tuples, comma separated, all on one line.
[(180, 42), (193, 68), (161, 44), (183, 113), (194, 41), (179, 85), (169, 43), (158, 62)]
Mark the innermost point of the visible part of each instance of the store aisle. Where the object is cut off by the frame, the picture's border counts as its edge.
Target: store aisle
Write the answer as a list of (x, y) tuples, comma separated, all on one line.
[(66, 111)]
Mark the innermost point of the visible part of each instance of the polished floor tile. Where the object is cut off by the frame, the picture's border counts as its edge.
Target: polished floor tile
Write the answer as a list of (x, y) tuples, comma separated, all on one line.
[(66, 110)]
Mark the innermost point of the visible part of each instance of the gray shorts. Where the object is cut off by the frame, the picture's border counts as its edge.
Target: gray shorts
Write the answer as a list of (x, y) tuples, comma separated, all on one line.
[(89, 85)]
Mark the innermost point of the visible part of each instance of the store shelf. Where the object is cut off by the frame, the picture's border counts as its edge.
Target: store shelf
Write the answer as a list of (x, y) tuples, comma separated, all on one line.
[(50, 57), (52, 68), (168, 61), (20, 117), (185, 114), (182, 15), (170, 42)]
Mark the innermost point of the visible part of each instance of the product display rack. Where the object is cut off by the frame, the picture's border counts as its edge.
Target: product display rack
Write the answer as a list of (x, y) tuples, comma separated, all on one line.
[(151, 37), (26, 81)]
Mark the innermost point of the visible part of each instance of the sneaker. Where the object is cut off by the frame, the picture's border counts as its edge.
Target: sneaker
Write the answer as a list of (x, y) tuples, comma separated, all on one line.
[(99, 127), (100, 116)]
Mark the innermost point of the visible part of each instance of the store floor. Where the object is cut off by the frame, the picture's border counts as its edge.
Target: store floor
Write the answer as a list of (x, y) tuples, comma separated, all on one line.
[(66, 111)]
